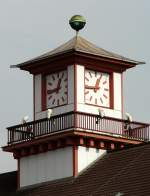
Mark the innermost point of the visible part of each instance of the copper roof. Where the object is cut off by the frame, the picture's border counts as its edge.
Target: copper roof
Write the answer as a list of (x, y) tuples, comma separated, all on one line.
[(126, 172), (80, 44)]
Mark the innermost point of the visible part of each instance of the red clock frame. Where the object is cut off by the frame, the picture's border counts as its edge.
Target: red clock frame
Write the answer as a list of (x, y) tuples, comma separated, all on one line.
[(111, 87), (44, 90)]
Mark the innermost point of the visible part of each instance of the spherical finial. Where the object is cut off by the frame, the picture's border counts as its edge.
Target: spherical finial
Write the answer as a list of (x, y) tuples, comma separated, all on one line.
[(77, 22)]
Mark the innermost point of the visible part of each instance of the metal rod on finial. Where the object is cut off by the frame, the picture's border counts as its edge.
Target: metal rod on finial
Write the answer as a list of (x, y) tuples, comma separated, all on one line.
[(77, 32)]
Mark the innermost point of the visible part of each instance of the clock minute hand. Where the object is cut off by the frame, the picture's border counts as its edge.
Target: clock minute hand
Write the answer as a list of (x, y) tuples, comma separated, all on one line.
[(58, 86), (97, 85)]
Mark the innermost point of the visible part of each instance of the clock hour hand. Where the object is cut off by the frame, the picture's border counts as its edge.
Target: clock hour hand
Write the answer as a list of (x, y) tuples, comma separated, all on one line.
[(91, 87), (52, 91)]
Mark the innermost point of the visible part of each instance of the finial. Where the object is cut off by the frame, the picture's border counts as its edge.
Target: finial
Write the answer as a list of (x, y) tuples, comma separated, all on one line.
[(77, 22)]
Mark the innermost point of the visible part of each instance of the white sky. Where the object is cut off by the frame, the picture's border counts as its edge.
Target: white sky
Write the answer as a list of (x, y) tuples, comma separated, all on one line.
[(30, 28)]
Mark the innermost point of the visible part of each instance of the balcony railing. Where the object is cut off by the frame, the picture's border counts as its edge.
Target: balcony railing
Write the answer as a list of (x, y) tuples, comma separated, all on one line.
[(81, 121)]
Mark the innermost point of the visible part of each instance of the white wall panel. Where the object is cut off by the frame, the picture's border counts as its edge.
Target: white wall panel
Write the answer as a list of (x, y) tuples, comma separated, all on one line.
[(50, 164), (31, 170), (71, 84), (56, 111), (80, 84), (46, 166), (94, 110), (40, 166), (37, 88), (117, 92), (87, 155), (23, 169)]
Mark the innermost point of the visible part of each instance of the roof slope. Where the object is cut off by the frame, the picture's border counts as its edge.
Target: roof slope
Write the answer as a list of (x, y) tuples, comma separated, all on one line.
[(80, 44), (126, 171)]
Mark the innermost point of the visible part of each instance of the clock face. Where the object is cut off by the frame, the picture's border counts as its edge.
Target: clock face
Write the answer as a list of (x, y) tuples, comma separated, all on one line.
[(97, 90), (56, 89)]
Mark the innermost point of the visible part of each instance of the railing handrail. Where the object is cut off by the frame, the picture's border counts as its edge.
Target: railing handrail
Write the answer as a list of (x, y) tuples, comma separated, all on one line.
[(78, 120)]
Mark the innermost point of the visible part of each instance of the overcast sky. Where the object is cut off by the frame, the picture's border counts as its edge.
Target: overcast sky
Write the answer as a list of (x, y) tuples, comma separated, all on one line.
[(29, 28)]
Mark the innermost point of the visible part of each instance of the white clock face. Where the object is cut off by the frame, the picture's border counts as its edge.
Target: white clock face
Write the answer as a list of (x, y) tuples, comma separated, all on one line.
[(56, 89), (97, 91)]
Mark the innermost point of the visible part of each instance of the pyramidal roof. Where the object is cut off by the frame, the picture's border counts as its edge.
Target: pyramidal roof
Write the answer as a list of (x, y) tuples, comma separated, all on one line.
[(80, 44)]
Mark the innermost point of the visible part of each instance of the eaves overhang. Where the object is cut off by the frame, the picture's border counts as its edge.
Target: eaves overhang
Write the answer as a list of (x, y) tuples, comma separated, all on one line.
[(73, 56)]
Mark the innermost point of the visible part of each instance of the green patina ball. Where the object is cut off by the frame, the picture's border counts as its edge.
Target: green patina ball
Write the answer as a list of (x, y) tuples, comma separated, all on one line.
[(77, 22)]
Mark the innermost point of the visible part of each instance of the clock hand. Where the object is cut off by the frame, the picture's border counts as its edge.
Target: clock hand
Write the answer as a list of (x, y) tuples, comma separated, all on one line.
[(97, 84), (52, 91), (55, 89), (91, 87), (58, 86)]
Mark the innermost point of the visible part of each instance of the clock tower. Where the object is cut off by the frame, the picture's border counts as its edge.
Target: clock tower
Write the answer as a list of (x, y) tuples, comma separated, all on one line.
[(78, 76), (77, 83)]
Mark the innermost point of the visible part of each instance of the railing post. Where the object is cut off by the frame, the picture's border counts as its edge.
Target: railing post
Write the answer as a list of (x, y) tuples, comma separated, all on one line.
[(75, 120), (8, 136)]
